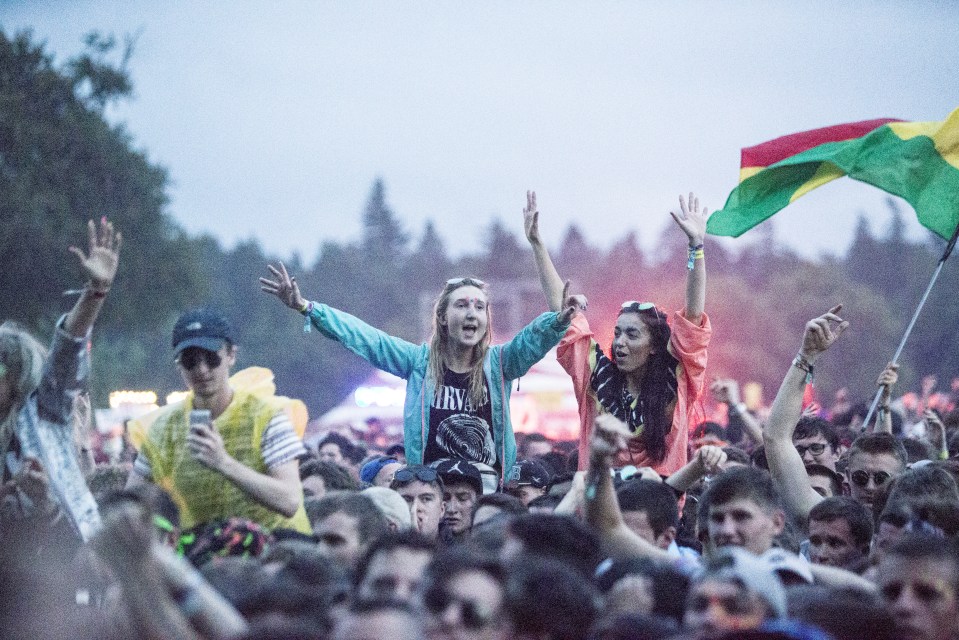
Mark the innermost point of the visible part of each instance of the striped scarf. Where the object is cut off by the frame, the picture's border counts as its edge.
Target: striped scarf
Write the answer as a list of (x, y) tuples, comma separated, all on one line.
[(609, 385)]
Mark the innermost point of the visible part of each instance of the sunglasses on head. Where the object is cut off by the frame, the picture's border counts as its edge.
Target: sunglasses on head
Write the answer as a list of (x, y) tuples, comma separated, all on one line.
[(634, 306), (473, 614), (190, 358), (860, 478), (416, 472), (816, 448), (452, 282)]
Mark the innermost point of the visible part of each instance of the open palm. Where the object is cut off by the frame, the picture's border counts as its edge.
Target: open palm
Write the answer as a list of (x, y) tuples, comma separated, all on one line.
[(100, 266)]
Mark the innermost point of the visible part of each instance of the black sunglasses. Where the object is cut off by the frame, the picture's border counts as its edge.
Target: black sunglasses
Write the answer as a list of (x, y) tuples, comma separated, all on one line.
[(860, 478), (816, 448), (473, 614), (416, 472), (190, 358)]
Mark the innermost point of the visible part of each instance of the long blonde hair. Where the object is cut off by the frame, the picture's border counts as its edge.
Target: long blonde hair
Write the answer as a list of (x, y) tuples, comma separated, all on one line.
[(21, 360), (440, 339)]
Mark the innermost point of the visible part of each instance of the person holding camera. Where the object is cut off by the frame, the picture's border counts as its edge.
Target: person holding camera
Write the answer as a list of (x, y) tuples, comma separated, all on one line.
[(221, 451)]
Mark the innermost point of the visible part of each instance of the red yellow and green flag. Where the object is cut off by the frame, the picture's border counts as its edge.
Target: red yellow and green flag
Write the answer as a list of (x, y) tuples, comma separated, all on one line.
[(917, 161)]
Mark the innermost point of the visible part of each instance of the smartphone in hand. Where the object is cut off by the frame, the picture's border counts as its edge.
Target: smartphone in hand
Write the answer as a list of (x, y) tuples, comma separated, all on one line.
[(200, 417)]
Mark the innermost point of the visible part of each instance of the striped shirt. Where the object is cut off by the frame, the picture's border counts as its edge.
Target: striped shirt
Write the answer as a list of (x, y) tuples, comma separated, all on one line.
[(280, 445)]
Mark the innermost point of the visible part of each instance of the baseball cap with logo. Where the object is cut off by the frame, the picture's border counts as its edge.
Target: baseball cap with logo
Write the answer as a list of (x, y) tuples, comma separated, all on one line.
[(528, 472), (454, 470), (203, 328)]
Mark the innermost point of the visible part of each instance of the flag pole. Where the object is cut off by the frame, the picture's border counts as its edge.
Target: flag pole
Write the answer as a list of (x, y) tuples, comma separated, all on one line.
[(915, 316)]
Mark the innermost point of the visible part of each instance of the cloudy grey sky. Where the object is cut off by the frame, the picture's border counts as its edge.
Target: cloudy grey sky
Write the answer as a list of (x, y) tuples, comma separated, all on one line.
[(274, 118)]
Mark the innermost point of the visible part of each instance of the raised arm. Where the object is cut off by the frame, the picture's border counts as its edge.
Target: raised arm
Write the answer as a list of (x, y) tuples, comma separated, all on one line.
[(125, 543), (709, 460), (935, 434), (785, 463), (165, 596), (99, 268), (531, 344), (284, 287), (548, 276), (202, 605), (380, 349), (693, 223), (727, 392), (602, 508), (572, 502), (887, 380)]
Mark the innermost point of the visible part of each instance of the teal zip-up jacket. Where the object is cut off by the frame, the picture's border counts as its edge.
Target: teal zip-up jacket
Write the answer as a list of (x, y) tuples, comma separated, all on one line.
[(503, 364)]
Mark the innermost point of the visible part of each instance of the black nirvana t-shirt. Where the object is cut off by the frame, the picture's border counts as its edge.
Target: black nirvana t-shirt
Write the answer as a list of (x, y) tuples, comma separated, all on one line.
[(457, 428)]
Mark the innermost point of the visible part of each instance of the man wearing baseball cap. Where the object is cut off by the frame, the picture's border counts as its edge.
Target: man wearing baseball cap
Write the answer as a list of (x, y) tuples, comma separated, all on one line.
[(528, 480), (221, 452), (462, 487)]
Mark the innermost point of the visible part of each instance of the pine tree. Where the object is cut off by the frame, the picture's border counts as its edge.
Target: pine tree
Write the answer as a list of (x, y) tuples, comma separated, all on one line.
[(384, 240), (506, 258)]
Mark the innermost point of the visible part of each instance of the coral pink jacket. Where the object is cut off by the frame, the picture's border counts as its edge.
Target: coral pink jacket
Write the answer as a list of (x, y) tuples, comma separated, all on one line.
[(687, 344)]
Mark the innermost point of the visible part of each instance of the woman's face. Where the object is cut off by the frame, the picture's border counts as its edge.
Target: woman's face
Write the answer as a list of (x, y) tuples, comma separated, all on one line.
[(465, 318), (632, 343)]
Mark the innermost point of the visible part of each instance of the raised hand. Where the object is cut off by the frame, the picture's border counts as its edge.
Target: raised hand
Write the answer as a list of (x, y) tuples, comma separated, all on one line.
[(531, 219), (711, 458), (610, 436), (822, 332), (284, 287), (928, 384), (725, 390), (571, 304), (887, 380), (935, 429), (691, 220), (100, 266), (812, 410)]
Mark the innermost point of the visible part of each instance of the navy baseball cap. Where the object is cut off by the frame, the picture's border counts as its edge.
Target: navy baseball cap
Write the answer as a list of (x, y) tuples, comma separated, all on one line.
[(203, 328), (454, 470)]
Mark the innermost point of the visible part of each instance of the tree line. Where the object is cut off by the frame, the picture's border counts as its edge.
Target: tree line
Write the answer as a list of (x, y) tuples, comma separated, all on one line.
[(61, 162)]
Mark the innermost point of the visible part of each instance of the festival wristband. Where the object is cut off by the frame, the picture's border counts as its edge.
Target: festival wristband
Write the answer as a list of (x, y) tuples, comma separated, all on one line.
[(307, 311), (695, 253), (802, 364)]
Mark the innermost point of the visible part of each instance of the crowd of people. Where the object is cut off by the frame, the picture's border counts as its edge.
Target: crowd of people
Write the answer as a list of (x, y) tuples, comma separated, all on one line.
[(799, 521)]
